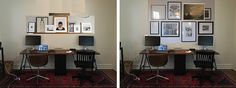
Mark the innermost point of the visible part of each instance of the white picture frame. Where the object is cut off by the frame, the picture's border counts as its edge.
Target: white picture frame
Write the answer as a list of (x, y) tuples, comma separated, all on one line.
[(40, 23), (188, 31), (61, 23), (86, 27), (154, 27), (71, 27), (49, 28), (31, 27), (158, 12), (77, 28)]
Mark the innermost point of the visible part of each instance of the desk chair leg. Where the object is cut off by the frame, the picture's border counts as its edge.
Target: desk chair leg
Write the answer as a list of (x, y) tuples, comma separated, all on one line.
[(157, 76), (38, 76)]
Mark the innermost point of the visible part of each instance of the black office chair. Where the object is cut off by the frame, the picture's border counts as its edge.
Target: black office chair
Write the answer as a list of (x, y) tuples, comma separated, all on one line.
[(204, 60), (84, 60)]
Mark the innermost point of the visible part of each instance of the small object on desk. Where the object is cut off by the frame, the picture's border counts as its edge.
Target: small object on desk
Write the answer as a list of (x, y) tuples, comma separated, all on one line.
[(192, 49)]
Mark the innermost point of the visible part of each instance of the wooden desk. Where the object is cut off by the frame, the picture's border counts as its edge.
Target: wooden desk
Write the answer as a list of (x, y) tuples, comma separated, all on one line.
[(60, 59), (179, 58)]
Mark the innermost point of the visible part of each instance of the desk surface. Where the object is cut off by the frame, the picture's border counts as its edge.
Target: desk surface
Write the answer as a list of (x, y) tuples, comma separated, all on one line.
[(173, 51), (53, 52)]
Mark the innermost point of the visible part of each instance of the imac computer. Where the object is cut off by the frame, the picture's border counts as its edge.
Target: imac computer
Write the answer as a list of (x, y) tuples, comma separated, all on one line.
[(205, 41), (86, 41), (33, 41), (152, 41)]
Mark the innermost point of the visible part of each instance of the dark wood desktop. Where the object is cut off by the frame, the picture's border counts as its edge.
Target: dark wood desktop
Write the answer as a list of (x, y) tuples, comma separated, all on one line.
[(179, 58)]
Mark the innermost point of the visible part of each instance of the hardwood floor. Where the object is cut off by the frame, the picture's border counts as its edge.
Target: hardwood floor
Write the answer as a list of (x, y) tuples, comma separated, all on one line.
[(110, 72), (231, 73)]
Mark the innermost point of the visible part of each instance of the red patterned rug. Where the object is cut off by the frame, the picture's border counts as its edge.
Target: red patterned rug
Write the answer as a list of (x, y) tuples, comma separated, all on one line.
[(99, 78), (221, 80)]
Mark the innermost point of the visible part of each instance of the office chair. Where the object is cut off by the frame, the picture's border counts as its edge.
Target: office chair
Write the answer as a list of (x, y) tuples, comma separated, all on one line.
[(85, 59), (37, 60), (204, 60), (158, 60)]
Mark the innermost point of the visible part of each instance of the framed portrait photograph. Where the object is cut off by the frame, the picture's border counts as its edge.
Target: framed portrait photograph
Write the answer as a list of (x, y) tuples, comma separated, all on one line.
[(40, 23), (170, 28), (174, 10), (158, 12), (61, 23), (154, 28), (188, 31), (205, 28), (71, 27), (87, 28), (207, 13), (194, 11), (77, 28), (31, 27), (49, 28)]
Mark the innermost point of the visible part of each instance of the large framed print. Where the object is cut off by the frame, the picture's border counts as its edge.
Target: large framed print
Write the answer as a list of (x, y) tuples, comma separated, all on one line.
[(174, 10), (194, 11), (158, 12), (206, 28), (41, 22), (154, 28), (61, 23), (188, 31), (170, 28)]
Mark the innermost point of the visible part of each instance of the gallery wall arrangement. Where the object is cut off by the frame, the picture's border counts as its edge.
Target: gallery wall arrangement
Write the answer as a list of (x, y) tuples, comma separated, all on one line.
[(60, 23), (178, 19)]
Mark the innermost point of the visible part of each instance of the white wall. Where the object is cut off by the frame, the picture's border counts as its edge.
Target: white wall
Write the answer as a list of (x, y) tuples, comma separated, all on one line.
[(135, 24), (14, 20)]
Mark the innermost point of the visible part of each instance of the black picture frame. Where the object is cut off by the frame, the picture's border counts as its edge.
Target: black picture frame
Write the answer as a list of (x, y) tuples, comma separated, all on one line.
[(170, 14), (167, 27), (205, 28), (208, 14)]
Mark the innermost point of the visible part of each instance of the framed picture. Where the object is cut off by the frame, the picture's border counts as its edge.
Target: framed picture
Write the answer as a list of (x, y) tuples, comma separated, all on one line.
[(40, 23), (158, 12), (31, 27), (87, 28), (61, 23), (207, 13), (154, 27), (49, 28), (77, 28), (205, 28), (188, 31), (71, 27), (174, 10), (170, 28), (194, 11)]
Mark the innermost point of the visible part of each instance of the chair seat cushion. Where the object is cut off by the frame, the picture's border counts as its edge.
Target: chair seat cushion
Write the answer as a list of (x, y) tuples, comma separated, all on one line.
[(84, 64), (203, 64)]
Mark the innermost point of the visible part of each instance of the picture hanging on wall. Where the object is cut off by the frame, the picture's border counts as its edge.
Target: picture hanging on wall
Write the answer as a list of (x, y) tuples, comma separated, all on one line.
[(170, 28), (158, 12), (194, 11), (188, 31), (205, 28), (49, 28), (207, 13), (60, 23), (40, 23), (154, 28), (31, 27), (71, 27), (77, 28), (174, 10), (87, 28)]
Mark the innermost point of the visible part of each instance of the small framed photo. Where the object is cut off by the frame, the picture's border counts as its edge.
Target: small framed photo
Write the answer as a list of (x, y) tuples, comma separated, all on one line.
[(71, 27), (194, 11), (207, 13), (158, 12), (77, 28), (61, 23), (174, 10), (170, 28), (31, 27), (154, 28), (205, 28), (40, 23), (87, 28), (49, 28), (188, 31)]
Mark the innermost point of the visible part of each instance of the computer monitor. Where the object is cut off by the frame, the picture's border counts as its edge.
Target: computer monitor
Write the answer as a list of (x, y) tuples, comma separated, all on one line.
[(86, 41), (32, 40), (205, 40), (152, 40)]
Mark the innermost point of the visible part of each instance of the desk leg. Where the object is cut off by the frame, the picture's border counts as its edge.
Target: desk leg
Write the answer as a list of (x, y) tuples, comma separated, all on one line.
[(22, 61), (60, 65), (141, 64), (180, 64), (146, 59)]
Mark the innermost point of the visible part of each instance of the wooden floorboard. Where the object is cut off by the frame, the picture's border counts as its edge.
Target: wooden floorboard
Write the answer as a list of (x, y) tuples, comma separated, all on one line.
[(231, 73), (110, 72)]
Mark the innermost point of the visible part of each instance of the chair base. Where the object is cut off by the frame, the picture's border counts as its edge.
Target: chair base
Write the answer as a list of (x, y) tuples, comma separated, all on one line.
[(158, 76), (37, 76)]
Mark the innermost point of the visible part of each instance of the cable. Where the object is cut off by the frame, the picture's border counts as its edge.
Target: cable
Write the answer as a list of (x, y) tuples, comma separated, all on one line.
[(15, 77)]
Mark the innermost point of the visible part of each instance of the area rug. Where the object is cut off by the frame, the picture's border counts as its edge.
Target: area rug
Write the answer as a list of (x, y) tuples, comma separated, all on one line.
[(221, 80), (100, 80)]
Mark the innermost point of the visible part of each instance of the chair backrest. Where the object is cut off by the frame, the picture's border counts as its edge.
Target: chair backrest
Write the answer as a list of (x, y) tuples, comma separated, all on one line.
[(158, 60), (38, 60), (86, 59), (206, 58)]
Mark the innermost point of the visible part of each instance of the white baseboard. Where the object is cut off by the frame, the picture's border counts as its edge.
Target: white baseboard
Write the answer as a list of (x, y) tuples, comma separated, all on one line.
[(72, 66), (219, 66)]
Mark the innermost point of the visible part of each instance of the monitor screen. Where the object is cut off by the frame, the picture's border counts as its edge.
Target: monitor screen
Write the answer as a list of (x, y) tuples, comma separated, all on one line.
[(152, 40), (86, 40), (205, 40), (32, 40)]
